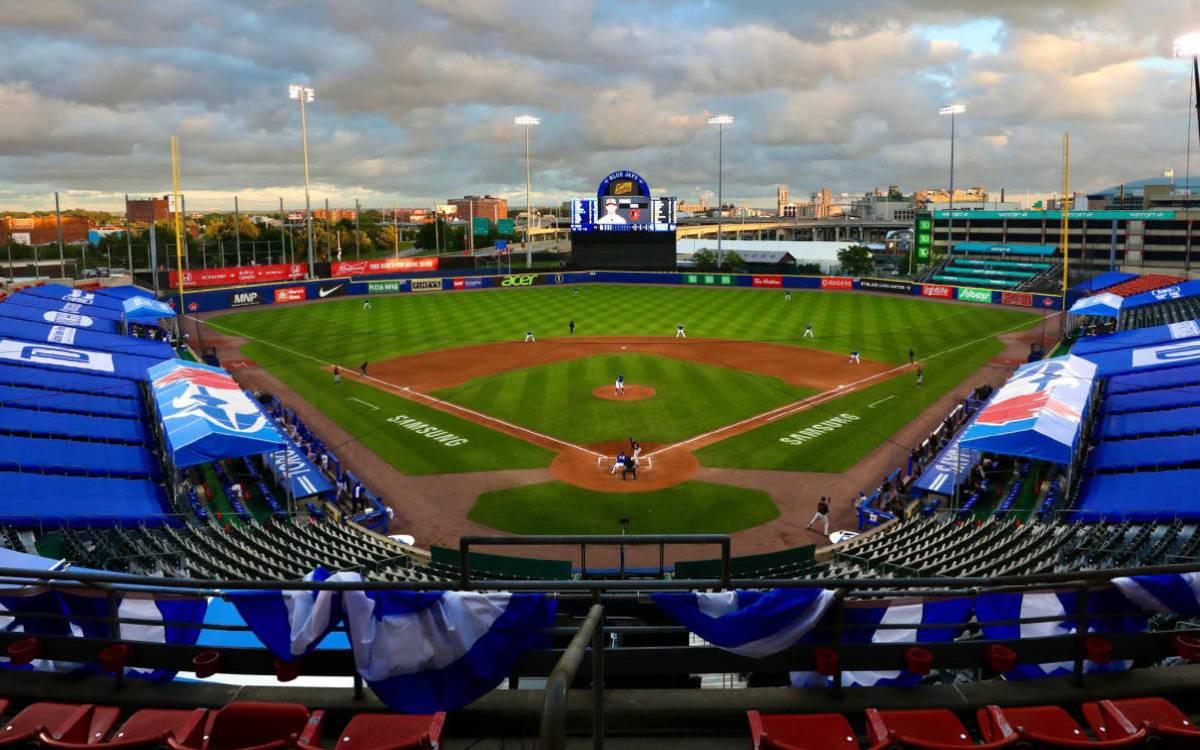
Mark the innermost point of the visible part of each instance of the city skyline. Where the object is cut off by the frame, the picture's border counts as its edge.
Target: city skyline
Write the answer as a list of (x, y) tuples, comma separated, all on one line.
[(416, 103)]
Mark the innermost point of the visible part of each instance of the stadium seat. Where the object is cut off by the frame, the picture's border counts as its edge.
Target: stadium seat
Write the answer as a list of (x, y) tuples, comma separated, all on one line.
[(1044, 727), (801, 732), (1124, 718), (385, 732), (68, 720), (146, 728), (924, 729), (249, 725)]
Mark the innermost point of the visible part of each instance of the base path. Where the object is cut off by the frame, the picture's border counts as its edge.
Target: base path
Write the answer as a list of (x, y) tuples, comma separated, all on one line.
[(446, 368), (630, 392)]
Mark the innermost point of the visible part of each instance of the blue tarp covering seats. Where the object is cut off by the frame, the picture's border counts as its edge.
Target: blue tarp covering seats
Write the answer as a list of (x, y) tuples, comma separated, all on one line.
[(74, 359), (39, 399), (78, 296), (74, 308), (1104, 281), (1130, 455), (10, 558), (294, 471), (69, 457), (1101, 305), (125, 292), (48, 499), (1037, 413), (55, 317), (67, 381), (206, 416), (146, 310), (73, 426), (1166, 293), (1170, 398), (1145, 423), (1146, 358), (68, 336), (1149, 381), (1189, 329), (1144, 496)]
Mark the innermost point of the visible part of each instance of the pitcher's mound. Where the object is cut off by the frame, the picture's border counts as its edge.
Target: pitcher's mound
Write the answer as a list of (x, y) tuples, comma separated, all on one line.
[(632, 392), (593, 472)]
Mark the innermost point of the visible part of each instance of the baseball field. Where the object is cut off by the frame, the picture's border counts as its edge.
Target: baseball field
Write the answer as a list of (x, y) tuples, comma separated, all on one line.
[(452, 393)]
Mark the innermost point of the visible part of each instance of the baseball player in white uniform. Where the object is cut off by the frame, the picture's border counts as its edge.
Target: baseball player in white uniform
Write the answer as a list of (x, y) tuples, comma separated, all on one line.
[(808, 332), (679, 332), (366, 304), (854, 357), (529, 337), (620, 385)]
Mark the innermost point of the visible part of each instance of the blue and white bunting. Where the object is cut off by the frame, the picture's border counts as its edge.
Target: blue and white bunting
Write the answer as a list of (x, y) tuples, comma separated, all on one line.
[(423, 652), (749, 623), (166, 620), (292, 623), (1166, 594)]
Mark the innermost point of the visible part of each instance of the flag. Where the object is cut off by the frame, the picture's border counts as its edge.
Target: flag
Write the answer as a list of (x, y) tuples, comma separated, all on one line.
[(423, 652), (90, 611), (1166, 594), (749, 623), (292, 623)]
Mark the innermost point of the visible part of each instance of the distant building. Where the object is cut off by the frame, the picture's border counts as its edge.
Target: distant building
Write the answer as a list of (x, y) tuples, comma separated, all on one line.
[(693, 208), (42, 230), (148, 210), (970, 195), (781, 200), (335, 214), (479, 206), (414, 215)]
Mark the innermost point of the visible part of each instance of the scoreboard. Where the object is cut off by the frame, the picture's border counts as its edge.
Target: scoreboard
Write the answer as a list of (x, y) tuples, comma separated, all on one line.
[(623, 226)]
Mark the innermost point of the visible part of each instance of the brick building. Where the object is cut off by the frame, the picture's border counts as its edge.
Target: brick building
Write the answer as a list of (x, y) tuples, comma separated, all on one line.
[(335, 214), (480, 206), (42, 230), (148, 210)]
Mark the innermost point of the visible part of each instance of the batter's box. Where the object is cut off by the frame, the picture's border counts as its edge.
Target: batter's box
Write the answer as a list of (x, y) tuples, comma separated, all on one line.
[(604, 463)]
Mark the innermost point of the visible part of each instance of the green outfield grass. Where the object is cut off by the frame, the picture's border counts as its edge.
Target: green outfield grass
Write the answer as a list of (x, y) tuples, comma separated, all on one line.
[(291, 342), (880, 411), (690, 398), (688, 508)]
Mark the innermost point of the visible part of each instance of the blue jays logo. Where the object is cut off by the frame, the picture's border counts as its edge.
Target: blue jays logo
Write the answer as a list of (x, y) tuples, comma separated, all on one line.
[(1171, 292), (213, 397)]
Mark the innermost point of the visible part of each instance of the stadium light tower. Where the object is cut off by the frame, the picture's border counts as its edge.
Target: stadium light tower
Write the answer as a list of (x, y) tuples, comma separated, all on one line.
[(303, 94), (952, 110), (720, 121), (528, 121), (1188, 45)]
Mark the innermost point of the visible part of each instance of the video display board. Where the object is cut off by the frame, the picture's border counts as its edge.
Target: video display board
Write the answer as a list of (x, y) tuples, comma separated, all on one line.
[(623, 204)]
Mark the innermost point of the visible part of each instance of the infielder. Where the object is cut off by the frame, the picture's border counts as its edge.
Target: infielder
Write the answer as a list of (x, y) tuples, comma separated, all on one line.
[(920, 377), (808, 332), (337, 375), (854, 357), (620, 385), (529, 337), (679, 332)]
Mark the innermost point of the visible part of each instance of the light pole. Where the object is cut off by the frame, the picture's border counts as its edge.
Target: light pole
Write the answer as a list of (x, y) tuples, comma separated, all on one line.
[(528, 121), (304, 94), (952, 110), (720, 121), (1188, 45)]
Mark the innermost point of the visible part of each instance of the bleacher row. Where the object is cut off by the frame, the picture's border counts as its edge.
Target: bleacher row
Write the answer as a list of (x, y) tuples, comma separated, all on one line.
[(1006, 267), (1169, 311)]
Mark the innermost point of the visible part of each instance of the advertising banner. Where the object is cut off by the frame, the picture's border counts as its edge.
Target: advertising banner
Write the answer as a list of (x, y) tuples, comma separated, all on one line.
[(766, 282), (244, 299), (708, 279), (471, 282), (291, 294), (335, 289), (886, 285), (1049, 302), (935, 290), (426, 285), (383, 265), (386, 287), (231, 275), (837, 282), (1016, 298), (970, 294), (525, 279)]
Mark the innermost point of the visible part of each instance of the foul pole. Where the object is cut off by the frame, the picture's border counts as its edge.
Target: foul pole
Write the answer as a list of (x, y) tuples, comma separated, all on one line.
[(1064, 235), (178, 220)]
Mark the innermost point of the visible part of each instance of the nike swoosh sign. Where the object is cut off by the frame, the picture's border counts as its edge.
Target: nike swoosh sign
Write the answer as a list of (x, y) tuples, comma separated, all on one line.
[(327, 292)]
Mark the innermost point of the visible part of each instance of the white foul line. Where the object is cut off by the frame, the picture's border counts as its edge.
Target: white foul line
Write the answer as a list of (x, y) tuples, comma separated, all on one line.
[(364, 403), (880, 401)]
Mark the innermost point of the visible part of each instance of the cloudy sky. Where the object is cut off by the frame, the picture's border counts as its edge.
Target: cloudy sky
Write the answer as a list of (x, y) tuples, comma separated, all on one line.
[(415, 100)]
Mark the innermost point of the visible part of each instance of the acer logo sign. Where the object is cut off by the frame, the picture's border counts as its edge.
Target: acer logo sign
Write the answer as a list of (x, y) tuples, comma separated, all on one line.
[(522, 280)]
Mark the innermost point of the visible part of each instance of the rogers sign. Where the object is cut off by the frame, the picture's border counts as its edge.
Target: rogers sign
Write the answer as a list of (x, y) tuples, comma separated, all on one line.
[(837, 282), (941, 292), (383, 265)]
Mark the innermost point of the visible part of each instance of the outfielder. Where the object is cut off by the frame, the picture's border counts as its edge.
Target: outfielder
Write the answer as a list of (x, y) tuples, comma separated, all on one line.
[(679, 332), (620, 386), (808, 332), (366, 304), (529, 337)]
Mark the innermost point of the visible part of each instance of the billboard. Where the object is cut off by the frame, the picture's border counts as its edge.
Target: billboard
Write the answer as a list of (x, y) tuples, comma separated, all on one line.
[(469, 282), (383, 265), (426, 285), (766, 282), (244, 299), (971, 294), (1016, 298), (526, 279), (386, 287), (708, 279), (291, 294), (937, 291), (232, 275), (923, 235), (837, 282), (623, 203), (886, 285)]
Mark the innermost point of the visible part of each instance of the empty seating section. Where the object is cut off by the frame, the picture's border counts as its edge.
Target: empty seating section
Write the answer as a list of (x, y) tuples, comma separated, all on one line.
[(1144, 283), (997, 266), (1161, 313)]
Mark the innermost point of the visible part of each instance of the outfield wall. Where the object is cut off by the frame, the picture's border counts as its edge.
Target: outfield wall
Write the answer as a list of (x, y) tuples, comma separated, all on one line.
[(281, 293)]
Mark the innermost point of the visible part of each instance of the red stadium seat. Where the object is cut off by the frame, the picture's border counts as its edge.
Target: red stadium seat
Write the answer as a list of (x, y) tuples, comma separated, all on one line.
[(801, 732), (930, 729), (247, 725), (1123, 718), (1044, 727), (86, 723), (385, 732), (147, 728)]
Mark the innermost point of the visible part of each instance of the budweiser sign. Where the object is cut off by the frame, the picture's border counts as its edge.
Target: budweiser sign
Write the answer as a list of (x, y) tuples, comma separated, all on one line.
[(384, 265), (234, 275)]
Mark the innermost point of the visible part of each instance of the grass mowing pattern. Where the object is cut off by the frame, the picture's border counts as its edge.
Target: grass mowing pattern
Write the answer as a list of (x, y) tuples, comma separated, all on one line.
[(690, 398), (881, 327), (895, 403), (688, 508)]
